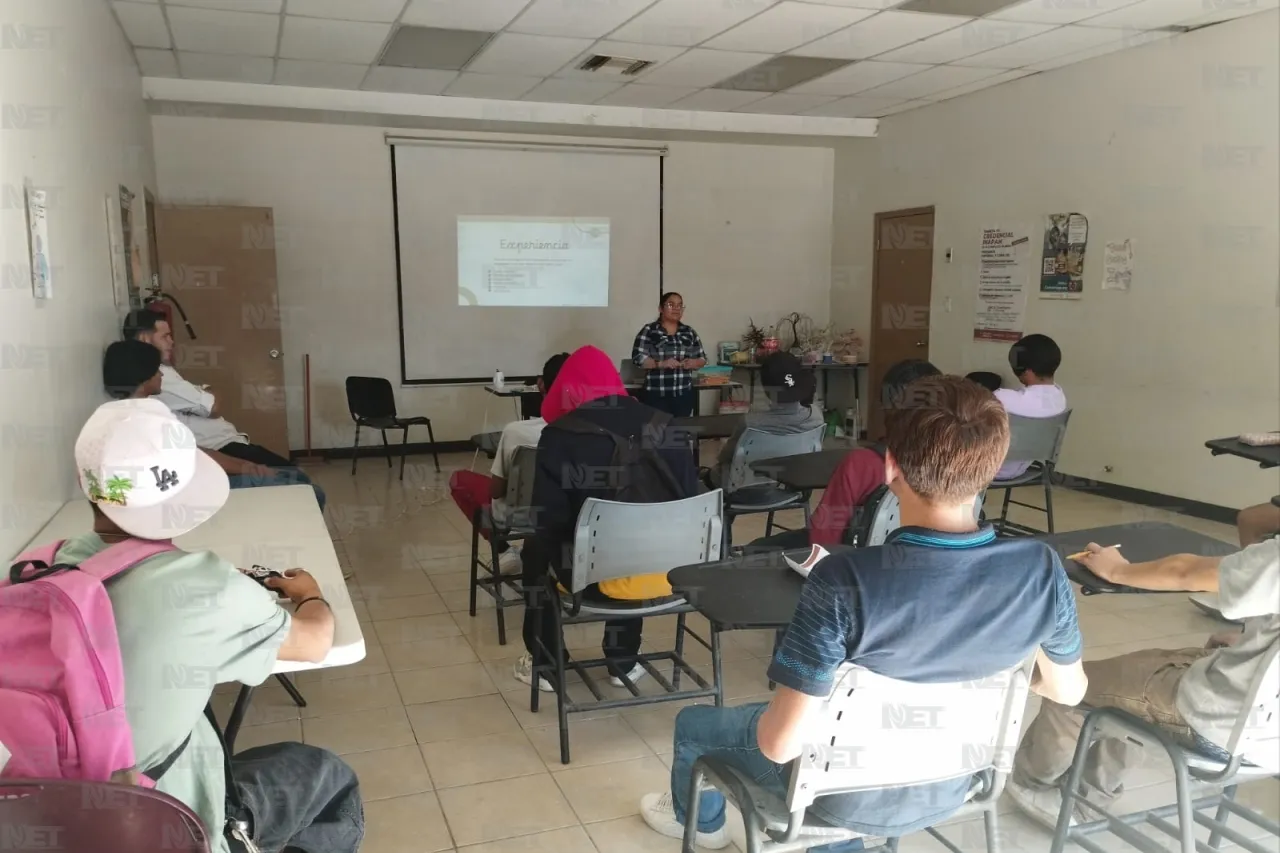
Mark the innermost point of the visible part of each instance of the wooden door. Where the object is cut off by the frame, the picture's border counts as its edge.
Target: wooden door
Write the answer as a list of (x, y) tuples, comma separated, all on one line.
[(220, 263), (901, 290)]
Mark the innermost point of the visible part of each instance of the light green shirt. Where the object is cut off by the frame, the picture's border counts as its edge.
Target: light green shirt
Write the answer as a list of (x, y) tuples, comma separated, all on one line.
[(186, 622)]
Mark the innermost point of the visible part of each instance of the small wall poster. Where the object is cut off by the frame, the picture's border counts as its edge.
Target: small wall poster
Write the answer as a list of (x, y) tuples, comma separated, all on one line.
[(1062, 260), (1002, 285), (38, 223), (1117, 264)]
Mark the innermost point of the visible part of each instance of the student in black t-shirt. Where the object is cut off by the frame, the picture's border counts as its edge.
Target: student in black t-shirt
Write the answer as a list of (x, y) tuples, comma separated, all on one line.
[(978, 606)]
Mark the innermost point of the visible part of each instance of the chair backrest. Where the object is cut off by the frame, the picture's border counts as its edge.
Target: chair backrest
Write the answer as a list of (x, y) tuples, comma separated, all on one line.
[(1256, 734), (519, 496), (620, 540), (880, 516), (629, 372), (754, 445), (370, 397), (98, 816), (878, 732), (1036, 439)]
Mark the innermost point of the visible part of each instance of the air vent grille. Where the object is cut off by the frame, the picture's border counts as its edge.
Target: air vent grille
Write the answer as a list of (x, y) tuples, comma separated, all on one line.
[(619, 66)]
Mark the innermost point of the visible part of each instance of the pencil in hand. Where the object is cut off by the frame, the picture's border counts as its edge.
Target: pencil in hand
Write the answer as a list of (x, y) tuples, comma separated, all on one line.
[(1086, 553)]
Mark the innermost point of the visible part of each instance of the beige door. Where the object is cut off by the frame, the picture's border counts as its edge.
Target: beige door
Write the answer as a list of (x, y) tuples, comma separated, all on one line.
[(902, 286), (220, 263)]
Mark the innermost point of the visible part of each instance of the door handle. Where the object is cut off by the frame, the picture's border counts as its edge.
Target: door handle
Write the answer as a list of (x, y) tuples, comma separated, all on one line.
[(918, 343), (275, 353)]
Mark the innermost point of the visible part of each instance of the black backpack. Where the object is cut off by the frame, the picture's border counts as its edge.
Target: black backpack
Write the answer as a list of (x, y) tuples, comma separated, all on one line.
[(637, 473)]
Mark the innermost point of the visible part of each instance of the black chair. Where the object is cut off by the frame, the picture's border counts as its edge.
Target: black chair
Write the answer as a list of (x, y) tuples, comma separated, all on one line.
[(373, 404)]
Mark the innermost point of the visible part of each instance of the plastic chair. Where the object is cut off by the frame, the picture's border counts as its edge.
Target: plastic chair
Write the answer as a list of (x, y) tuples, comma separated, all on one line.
[(749, 492), (1038, 441), (516, 525), (73, 816), (971, 732), (1256, 733), (619, 540), (879, 516), (372, 403)]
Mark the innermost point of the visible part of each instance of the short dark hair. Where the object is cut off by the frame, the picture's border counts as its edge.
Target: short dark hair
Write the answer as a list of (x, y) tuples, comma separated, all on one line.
[(551, 369), (128, 364), (896, 379), (1038, 353), (662, 300), (139, 322), (949, 440)]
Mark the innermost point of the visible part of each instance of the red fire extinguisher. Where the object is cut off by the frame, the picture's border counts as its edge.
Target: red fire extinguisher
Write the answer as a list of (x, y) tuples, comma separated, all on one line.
[(164, 303)]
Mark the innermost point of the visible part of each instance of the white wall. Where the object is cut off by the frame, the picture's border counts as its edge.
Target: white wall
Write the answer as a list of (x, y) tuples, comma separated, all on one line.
[(74, 124), (1174, 145), (742, 239)]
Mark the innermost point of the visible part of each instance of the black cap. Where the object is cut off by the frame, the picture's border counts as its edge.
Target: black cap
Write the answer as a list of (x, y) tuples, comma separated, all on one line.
[(785, 378)]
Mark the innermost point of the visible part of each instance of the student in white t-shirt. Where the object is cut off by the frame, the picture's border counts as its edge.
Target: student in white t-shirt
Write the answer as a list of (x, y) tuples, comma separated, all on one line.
[(1035, 360), (472, 490)]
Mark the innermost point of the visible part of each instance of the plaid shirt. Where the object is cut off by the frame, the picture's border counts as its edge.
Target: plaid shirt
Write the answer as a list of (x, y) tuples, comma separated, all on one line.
[(654, 342)]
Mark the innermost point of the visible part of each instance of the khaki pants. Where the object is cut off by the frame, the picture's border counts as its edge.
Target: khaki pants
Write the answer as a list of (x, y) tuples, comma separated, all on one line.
[(1143, 683)]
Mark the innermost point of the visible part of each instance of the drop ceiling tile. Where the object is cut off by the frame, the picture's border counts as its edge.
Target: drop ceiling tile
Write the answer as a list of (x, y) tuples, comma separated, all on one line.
[(410, 81), (785, 104), (157, 63), (322, 75), (576, 18), (143, 24), (856, 107), (484, 15), (688, 22), (1040, 12), (930, 82), (984, 83), (642, 95), (875, 5), (716, 100), (903, 107), (655, 53), (702, 67), (1057, 42), (1216, 13), (504, 87), (1149, 14), (782, 72), (858, 78), (966, 40), (211, 31), (332, 41), (516, 53), (785, 26), (879, 34), (384, 11), (218, 66), (1135, 40), (433, 48), (263, 7), (557, 91)]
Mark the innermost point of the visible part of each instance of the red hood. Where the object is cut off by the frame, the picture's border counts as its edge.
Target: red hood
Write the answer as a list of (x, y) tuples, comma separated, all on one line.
[(587, 375)]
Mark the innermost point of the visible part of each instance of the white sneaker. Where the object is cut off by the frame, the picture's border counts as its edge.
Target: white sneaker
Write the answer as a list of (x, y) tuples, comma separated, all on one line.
[(637, 672), (660, 813), (523, 672), (509, 561), (1040, 804)]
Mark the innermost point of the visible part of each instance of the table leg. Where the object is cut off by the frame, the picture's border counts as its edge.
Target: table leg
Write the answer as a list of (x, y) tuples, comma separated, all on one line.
[(237, 718)]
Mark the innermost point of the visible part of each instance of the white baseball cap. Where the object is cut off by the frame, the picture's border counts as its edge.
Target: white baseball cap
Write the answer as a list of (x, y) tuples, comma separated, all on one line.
[(140, 465)]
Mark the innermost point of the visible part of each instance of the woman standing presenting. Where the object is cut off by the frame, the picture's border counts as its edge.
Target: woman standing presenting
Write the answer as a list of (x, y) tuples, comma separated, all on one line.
[(670, 352)]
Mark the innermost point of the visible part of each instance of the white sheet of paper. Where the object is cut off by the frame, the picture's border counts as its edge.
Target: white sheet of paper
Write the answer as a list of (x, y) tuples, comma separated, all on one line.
[(816, 553), (1117, 264)]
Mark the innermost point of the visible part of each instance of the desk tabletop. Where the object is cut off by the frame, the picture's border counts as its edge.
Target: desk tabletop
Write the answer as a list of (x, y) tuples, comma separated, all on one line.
[(804, 471), (1267, 456), (709, 426), (761, 590), (512, 390), (280, 527)]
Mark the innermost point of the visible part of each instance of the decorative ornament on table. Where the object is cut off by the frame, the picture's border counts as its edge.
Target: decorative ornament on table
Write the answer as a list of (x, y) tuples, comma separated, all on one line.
[(794, 331), (846, 347)]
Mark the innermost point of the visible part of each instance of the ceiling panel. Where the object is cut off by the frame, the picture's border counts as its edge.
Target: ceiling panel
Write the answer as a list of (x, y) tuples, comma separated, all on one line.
[(409, 81), (701, 67), (936, 79), (643, 95), (384, 11), (485, 15), (685, 23), (332, 41), (157, 63), (516, 53), (983, 83), (717, 100), (218, 66), (879, 34), (577, 18), (212, 31), (266, 7), (324, 75), (1111, 47), (504, 87), (561, 91), (858, 106), (1056, 42), (1149, 14), (143, 24), (785, 26), (858, 78), (1040, 12), (965, 40), (786, 104)]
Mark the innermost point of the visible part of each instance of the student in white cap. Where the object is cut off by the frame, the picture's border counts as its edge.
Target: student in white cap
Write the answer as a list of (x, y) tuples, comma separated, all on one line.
[(181, 611)]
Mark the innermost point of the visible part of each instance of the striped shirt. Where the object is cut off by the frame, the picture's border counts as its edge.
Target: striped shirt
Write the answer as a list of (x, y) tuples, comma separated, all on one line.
[(654, 342)]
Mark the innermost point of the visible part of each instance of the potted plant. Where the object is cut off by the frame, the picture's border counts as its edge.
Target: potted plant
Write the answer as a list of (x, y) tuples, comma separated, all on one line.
[(752, 338)]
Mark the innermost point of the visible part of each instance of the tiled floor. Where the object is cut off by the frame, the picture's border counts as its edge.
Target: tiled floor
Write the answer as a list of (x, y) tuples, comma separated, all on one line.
[(449, 755)]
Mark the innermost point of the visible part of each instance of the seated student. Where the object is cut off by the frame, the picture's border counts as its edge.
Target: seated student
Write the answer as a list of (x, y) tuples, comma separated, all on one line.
[(1195, 695), (978, 606), (247, 465), (859, 473), (194, 611), (1034, 359), (471, 490), (1259, 522), (585, 408), (131, 369), (788, 386)]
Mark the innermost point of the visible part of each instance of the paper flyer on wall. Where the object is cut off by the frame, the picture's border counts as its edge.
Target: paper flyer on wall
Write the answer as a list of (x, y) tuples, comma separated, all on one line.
[(1062, 259), (1117, 264), (1002, 285)]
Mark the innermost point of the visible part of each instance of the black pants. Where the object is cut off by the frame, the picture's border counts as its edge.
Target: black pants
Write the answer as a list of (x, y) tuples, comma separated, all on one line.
[(299, 798), (679, 404), (255, 453), (286, 474)]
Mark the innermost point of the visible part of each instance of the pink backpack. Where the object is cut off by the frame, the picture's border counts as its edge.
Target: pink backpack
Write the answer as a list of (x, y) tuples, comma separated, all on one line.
[(62, 712)]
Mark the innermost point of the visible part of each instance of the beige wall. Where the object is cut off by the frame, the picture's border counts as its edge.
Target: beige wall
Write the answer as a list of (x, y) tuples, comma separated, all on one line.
[(741, 239), (1173, 145), (75, 125)]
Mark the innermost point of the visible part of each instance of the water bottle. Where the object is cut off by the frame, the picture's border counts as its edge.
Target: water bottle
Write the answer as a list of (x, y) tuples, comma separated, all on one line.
[(497, 380)]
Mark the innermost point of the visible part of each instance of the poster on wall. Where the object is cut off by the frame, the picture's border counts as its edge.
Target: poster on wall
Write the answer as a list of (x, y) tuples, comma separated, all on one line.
[(1062, 260), (1117, 264), (115, 246), (1002, 285), (38, 243), (127, 236)]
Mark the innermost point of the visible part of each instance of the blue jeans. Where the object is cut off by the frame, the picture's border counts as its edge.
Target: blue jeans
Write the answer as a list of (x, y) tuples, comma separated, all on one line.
[(730, 734), (299, 798), (278, 477)]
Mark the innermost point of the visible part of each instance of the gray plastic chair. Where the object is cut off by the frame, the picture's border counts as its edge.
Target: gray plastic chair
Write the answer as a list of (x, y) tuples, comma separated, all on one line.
[(749, 492), (973, 734), (1038, 441), (515, 526), (879, 517)]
